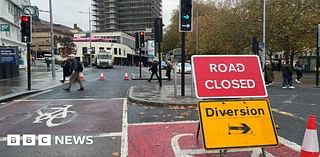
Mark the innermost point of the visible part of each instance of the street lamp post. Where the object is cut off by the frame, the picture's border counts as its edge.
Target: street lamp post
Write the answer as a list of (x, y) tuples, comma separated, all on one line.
[(53, 64), (263, 56), (90, 46)]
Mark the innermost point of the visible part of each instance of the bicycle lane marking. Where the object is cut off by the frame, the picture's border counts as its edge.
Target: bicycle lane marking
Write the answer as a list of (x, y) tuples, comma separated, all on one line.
[(175, 139), (94, 117), (57, 112)]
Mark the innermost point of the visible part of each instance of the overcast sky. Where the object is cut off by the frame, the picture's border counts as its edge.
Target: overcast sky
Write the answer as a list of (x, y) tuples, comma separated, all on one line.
[(66, 12)]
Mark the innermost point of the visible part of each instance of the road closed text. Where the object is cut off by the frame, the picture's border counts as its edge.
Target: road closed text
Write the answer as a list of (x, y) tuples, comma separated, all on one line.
[(228, 84)]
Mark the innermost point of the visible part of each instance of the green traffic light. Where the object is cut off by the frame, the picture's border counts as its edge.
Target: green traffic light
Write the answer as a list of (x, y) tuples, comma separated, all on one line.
[(186, 17)]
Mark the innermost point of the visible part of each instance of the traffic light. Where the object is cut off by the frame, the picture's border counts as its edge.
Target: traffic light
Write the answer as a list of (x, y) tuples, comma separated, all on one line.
[(158, 30), (185, 18), (141, 37), (26, 28), (137, 36)]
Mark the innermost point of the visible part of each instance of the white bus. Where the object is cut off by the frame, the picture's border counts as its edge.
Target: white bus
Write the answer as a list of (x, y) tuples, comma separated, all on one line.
[(104, 59)]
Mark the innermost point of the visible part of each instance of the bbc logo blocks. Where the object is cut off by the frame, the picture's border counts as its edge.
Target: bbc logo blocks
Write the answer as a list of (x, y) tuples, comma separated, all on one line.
[(28, 140)]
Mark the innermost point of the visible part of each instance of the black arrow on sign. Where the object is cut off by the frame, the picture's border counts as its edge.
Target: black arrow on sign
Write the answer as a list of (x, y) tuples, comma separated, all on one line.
[(244, 128)]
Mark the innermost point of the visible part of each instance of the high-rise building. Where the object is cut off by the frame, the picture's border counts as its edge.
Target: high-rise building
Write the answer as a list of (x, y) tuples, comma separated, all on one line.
[(125, 15)]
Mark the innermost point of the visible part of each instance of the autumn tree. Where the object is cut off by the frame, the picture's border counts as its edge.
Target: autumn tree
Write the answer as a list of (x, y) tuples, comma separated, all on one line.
[(226, 27)]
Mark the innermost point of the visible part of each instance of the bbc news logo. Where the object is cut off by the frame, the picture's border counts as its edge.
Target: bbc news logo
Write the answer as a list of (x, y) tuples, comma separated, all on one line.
[(46, 140)]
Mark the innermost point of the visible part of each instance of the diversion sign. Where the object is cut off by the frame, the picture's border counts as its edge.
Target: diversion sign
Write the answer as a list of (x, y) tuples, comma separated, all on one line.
[(237, 124), (228, 76)]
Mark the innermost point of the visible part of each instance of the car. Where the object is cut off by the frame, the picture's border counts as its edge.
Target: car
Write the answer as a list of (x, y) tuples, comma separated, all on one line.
[(187, 68)]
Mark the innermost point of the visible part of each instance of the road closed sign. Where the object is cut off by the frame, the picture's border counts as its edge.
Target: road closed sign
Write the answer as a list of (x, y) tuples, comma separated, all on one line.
[(228, 76), (237, 124)]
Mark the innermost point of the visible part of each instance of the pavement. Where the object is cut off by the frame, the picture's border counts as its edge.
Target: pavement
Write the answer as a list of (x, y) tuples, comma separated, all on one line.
[(41, 79)]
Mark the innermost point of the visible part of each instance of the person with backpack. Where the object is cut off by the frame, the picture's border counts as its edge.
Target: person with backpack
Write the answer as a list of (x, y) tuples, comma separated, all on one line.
[(66, 66), (77, 68)]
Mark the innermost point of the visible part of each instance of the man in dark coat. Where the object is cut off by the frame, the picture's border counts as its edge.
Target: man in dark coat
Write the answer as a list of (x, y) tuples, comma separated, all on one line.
[(269, 77), (168, 70), (154, 70), (75, 75), (287, 75)]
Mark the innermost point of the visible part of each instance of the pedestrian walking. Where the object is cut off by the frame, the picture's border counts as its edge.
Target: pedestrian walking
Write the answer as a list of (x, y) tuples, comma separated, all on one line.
[(47, 62), (67, 70), (154, 70), (168, 70), (33, 61), (287, 75), (75, 77), (269, 77), (298, 69)]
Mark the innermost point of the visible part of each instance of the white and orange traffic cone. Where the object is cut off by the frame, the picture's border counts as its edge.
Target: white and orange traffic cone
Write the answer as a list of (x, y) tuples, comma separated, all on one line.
[(101, 77), (126, 77), (310, 144), (81, 76)]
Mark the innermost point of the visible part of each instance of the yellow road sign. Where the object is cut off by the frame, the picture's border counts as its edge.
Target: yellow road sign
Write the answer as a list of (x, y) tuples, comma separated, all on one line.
[(236, 124)]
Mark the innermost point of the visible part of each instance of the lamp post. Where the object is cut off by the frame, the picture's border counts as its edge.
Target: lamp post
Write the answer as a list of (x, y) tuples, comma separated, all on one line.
[(90, 46), (53, 64), (263, 56)]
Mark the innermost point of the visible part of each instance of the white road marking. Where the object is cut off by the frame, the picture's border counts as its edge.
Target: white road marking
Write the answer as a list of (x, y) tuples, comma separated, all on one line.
[(289, 144), (56, 112), (256, 152), (124, 136), (111, 134), (290, 100), (189, 152)]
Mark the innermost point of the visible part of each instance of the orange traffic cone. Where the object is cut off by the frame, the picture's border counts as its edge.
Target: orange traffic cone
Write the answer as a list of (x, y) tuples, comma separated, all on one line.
[(81, 76), (101, 77), (310, 144), (126, 77)]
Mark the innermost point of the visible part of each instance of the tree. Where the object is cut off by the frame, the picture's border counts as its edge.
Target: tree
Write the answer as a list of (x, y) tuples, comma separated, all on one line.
[(67, 47), (227, 27)]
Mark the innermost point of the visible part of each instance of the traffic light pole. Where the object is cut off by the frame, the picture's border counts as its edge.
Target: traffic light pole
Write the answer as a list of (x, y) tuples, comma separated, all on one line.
[(317, 60), (183, 41), (28, 66), (160, 71), (140, 61)]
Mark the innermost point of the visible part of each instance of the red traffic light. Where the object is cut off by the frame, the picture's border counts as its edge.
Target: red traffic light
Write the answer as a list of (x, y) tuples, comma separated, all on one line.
[(25, 18), (142, 33)]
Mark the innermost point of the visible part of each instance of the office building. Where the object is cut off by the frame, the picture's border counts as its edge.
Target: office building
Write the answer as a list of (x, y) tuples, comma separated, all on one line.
[(125, 15)]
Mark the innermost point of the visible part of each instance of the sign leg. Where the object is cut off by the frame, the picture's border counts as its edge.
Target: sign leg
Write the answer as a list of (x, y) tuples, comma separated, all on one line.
[(221, 153), (263, 152), (198, 130)]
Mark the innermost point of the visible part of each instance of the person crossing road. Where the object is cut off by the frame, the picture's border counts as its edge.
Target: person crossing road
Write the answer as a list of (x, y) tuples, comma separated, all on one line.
[(75, 77)]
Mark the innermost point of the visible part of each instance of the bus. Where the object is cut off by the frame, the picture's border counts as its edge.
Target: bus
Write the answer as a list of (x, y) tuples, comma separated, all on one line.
[(104, 59)]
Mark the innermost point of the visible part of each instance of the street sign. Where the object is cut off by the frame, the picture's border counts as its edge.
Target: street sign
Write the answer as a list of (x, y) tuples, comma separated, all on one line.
[(228, 76), (8, 55), (4, 28), (237, 124)]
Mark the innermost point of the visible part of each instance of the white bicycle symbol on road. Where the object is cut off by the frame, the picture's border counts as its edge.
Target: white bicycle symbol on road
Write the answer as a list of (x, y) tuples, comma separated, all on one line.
[(58, 116)]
